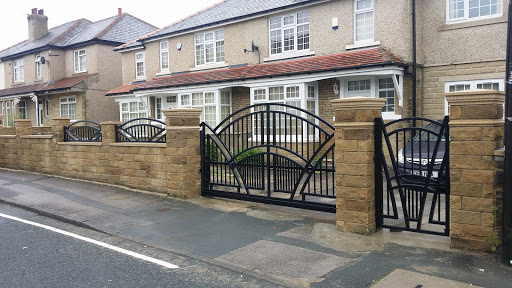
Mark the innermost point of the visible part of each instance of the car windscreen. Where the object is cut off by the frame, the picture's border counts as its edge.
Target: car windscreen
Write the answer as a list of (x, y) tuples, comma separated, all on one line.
[(426, 136)]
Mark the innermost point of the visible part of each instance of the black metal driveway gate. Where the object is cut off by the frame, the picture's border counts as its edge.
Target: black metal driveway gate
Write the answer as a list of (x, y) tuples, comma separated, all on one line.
[(270, 153), (414, 195)]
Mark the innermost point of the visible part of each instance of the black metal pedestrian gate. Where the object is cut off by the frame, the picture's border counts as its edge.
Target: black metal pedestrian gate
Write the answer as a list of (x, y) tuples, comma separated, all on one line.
[(412, 176), (270, 153)]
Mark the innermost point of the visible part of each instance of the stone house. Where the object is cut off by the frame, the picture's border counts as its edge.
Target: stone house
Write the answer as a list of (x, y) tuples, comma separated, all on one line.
[(66, 70), (307, 52)]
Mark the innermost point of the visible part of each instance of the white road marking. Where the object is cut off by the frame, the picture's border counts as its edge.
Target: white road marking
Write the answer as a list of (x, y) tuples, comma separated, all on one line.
[(99, 243)]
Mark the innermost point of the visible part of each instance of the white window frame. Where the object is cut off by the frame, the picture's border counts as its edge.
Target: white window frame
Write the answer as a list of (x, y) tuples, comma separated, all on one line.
[(217, 59), (140, 110), (282, 27), (22, 105), (69, 101), (38, 67), (47, 107), (364, 11), (473, 84), (19, 71), (372, 93), (466, 17), (217, 102), (80, 61), (164, 51), (303, 98), (143, 61)]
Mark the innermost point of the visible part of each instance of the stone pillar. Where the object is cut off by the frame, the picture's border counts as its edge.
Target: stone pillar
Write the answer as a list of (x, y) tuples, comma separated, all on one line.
[(183, 152), (355, 168), (58, 127), (108, 132), (476, 130), (23, 127)]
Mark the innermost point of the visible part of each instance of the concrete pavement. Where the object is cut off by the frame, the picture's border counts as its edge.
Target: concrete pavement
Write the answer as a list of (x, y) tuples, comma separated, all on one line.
[(290, 247)]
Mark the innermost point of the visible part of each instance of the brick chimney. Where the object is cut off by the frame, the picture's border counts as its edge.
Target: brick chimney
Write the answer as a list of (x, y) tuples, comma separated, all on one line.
[(37, 24)]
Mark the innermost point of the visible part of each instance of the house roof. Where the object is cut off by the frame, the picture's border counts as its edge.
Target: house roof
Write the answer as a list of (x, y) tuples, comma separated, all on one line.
[(61, 84), (222, 12), (318, 64), (114, 31)]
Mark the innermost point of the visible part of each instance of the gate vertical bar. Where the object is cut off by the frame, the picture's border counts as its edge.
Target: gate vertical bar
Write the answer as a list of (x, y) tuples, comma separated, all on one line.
[(379, 189), (203, 158), (267, 142)]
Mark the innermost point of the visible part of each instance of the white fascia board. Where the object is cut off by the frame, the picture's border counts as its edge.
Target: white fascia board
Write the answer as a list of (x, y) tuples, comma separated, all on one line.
[(131, 49), (283, 11), (267, 81)]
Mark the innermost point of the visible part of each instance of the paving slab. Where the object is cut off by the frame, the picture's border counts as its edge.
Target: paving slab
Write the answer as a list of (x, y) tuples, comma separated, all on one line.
[(405, 279)]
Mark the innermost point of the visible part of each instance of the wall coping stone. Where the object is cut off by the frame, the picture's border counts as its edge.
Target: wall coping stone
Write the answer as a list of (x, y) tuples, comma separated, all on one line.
[(358, 103), (110, 123), (178, 128), (61, 118), (22, 120), (36, 136), (477, 122), (77, 143), (354, 125), (140, 144), (7, 136), (475, 97)]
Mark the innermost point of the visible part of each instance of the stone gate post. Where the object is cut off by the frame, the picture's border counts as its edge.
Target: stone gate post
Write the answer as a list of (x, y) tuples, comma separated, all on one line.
[(355, 168), (183, 152), (476, 131), (58, 128)]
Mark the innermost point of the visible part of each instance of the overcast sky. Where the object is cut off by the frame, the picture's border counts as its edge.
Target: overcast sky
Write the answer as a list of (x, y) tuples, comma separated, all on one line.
[(13, 14)]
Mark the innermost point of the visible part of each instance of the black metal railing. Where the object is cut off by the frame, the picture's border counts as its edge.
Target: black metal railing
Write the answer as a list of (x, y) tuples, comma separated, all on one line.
[(141, 130), (83, 131), (412, 182), (507, 195), (271, 153)]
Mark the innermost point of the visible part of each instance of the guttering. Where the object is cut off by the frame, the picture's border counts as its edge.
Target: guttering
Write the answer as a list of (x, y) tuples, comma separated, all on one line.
[(20, 54), (233, 19)]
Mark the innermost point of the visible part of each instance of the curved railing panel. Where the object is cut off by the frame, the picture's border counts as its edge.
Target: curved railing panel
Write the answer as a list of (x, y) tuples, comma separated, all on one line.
[(83, 131), (141, 130)]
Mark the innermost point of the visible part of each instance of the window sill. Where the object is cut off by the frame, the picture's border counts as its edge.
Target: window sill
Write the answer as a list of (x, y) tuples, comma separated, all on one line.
[(79, 73), (289, 55), (362, 45), (163, 73), (472, 23), (210, 66), (390, 116)]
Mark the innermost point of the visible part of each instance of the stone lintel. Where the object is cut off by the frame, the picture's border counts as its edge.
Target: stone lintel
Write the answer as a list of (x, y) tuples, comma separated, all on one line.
[(477, 123), (358, 103), (475, 97)]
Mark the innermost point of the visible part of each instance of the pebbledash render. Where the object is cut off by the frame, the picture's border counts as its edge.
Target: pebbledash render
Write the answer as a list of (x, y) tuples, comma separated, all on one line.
[(66, 70), (308, 52)]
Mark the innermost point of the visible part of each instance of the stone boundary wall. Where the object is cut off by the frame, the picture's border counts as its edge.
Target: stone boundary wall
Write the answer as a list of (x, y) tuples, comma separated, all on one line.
[(171, 168)]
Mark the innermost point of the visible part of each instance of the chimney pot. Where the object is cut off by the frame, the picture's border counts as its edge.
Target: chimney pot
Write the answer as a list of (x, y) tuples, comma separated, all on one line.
[(119, 11), (41, 12), (34, 10)]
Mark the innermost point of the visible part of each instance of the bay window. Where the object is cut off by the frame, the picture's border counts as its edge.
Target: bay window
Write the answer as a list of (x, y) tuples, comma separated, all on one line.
[(216, 105), (133, 110)]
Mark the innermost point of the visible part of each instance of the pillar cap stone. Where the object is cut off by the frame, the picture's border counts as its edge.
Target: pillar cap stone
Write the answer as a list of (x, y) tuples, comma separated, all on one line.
[(475, 97), (358, 103), (182, 112)]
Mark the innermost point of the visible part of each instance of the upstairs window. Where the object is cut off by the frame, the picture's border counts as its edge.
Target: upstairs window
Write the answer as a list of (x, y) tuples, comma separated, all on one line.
[(80, 61), (164, 56), (289, 33), (38, 67), (363, 20), (19, 73), (468, 10), (209, 47), (140, 65)]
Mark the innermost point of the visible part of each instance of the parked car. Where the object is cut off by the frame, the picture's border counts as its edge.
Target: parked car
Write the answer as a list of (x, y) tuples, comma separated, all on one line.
[(416, 155)]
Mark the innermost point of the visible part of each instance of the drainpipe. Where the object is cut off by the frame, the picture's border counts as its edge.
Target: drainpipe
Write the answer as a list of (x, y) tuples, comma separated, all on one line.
[(414, 64), (508, 86)]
